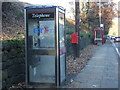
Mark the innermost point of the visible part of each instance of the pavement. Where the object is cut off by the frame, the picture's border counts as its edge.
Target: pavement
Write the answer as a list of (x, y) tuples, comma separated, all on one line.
[(101, 71)]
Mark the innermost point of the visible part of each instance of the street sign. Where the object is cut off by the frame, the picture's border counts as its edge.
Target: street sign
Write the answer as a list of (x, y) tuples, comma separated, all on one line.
[(101, 25)]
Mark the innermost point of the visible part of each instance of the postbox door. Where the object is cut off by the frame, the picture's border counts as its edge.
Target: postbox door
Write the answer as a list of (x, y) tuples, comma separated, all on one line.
[(74, 38)]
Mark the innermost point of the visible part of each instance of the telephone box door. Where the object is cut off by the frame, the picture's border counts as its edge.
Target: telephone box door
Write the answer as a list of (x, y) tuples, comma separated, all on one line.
[(45, 46), (41, 52)]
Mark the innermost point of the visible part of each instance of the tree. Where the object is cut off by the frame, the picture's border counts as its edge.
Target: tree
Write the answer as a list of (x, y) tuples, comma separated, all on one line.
[(90, 15), (77, 29), (108, 13)]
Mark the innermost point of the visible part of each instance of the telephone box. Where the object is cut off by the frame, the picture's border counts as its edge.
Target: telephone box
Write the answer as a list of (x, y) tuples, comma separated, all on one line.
[(45, 46), (99, 36)]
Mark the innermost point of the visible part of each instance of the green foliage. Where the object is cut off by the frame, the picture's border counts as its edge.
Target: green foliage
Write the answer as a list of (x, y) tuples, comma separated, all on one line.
[(19, 42), (90, 15), (13, 49), (69, 27), (19, 14), (114, 33), (69, 31), (13, 61), (86, 34)]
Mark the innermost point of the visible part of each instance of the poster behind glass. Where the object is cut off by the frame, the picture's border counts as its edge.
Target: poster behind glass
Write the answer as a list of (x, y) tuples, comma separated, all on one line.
[(44, 35)]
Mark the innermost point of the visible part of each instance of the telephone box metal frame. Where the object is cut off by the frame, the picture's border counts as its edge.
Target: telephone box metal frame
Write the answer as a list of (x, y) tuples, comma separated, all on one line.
[(57, 9)]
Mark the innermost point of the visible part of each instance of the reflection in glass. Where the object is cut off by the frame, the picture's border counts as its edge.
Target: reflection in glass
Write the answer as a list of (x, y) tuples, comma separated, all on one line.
[(43, 33), (47, 34), (61, 29), (42, 69), (62, 46), (98, 35)]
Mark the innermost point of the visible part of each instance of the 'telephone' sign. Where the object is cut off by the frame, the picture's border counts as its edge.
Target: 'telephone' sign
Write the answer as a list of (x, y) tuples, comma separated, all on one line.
[(36, 15), (40, 15)]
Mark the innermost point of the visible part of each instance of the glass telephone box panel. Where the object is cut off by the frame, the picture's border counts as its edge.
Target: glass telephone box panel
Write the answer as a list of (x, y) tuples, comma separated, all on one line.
[(41, 45), (43, 33), (62, 46), (42, 71), (98, 36)]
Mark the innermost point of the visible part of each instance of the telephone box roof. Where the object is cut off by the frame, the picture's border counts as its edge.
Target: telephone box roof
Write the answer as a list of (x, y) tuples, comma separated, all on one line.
[(42, 6)]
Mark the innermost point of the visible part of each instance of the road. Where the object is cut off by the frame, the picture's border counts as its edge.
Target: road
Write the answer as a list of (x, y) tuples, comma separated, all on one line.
[(116, 45), (101, 71)]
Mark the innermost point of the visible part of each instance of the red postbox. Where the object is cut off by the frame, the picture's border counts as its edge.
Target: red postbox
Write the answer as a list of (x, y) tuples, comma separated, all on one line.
[(74, 38)]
